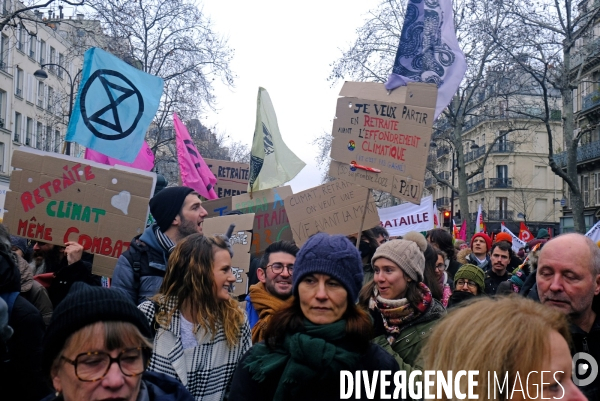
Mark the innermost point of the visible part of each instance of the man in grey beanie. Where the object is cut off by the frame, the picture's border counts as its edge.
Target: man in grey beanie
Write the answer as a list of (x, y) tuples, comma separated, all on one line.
[(139, 272)]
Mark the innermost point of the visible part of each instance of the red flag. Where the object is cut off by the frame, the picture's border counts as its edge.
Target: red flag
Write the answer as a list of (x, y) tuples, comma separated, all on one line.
[(462, 234), (524, 233)]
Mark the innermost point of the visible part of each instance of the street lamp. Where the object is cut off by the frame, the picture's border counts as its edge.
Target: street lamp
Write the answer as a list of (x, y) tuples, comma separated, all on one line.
[(41, 75), (473, 147)]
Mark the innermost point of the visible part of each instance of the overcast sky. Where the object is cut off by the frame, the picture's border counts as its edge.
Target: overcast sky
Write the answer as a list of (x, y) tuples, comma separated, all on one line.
[(287, 48)]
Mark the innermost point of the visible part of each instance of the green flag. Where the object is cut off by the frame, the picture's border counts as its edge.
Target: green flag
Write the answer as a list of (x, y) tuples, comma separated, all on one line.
[(272, 163)]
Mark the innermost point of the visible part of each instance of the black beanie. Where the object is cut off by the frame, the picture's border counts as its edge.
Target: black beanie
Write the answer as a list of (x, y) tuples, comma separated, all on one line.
[(85, 305), (165, 205)]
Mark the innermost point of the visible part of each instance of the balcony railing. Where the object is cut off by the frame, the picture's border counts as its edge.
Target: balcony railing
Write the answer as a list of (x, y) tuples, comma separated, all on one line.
[(446, 175), (503, 147), (500, 182), (475, 154), (430, 182), (445, 201), (584, 152), (500, 214), (588, 51), (476, 186), (591, 100)]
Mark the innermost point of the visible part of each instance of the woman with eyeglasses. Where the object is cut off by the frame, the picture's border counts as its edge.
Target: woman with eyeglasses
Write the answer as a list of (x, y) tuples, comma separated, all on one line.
[(402, 307), (201, 331), (469, 282), (97, 348)]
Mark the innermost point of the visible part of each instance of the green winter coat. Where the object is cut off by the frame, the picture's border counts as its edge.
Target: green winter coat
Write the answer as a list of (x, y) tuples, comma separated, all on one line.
[(407, 346)]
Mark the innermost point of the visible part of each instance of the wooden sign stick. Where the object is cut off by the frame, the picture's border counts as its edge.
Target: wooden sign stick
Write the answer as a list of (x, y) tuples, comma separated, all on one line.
[(362, 220)]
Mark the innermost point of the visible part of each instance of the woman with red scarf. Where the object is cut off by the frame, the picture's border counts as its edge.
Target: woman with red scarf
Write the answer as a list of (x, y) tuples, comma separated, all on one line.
[(401, 305)]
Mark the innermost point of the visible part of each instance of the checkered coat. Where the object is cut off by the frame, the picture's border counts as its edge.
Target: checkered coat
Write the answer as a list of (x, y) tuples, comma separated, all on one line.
[(205, 370)]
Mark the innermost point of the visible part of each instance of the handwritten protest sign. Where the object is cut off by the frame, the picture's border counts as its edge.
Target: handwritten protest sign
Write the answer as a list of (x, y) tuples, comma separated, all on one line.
[(400, 219), (232, 178), (389, 132), (271, 223), (240, 241), (218, 207), (334, 208), (55, 199)]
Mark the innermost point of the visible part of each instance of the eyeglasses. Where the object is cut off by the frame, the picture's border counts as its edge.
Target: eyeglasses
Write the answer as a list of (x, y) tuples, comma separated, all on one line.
[(93, 366), (440, 266), (277, 268), (470, 284)]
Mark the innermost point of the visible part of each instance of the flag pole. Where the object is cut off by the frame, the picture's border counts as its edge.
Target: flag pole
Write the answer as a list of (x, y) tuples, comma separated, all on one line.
[(362, 220)]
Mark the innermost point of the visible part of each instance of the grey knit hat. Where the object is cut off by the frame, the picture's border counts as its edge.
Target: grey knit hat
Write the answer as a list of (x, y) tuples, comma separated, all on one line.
[(333, 255), (406, 254)]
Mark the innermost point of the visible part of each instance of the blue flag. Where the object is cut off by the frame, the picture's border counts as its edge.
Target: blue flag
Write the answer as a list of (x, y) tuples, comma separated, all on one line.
[(115, 105)]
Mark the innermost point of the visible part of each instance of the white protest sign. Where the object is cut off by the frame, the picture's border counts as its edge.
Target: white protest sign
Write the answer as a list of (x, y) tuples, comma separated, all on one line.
[(594, 232), (398, 220), (517, 243)]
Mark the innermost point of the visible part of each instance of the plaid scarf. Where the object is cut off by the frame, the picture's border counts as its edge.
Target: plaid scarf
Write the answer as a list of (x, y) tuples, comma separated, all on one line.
[(397, 313), (164, 241)]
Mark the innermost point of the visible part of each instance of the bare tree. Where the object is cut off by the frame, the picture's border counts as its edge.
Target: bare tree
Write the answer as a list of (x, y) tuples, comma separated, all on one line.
[(172, 39), (22, 11), (546, 33)]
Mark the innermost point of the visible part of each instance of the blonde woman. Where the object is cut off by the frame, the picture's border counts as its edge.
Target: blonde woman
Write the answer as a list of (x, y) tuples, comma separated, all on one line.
[(508, 338), (201, 332)]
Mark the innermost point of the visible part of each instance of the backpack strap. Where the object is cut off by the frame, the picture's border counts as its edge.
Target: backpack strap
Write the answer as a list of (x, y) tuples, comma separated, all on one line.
[(134, 257)]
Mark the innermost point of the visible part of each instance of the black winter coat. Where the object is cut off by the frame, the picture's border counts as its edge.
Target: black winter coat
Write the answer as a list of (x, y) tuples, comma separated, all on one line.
[(590, 344), (66, 275), (244, 388)]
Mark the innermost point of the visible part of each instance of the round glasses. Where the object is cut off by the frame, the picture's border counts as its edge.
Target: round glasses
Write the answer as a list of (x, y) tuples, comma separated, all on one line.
[(93, 366), (277, 268), (470, 284)]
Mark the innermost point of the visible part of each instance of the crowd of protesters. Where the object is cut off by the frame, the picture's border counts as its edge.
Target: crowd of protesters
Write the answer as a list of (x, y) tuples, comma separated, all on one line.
[(169, 329)]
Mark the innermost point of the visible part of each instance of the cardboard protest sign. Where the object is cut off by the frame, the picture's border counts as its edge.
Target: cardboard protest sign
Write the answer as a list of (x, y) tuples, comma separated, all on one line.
[(3, 191), (218, 207), (389, 132), (55, 198), (400, 219), (240, 241), (271, 223), (335, 208), (232, 178)]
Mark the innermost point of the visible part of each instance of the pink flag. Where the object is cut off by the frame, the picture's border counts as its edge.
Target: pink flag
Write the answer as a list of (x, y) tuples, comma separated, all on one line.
[(462, 234), (194, 171), (143, 161)]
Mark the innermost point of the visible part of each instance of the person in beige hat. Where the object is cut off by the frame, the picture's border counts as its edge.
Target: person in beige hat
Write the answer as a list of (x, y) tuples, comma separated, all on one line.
[(401, 305)]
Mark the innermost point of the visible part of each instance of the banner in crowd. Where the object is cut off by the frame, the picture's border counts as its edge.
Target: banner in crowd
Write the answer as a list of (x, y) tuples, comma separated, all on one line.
[(114, 107), (381, 139), (240, 241), (271, 223), (398, 220), (594, 233), (334, 208), (428, 28), (143, 161), (55, 198), (272, 163), (517, 244), (232, 177), (194, 170)]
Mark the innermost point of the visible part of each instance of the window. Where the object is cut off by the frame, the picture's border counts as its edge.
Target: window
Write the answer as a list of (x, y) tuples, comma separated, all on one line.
[(61, 62), (4, 53), (597, 188), (32, 45), (502, 208), (40, 101), (57, 141), (2, 157), (502, 175), (52, 59), (29, 132), (21, 38), (19, 89), (50, 99), (585, 189), (502, 142), (42, 52), (5, 7), (2, 108), (48, 142), (39, 135), (18, 124)]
